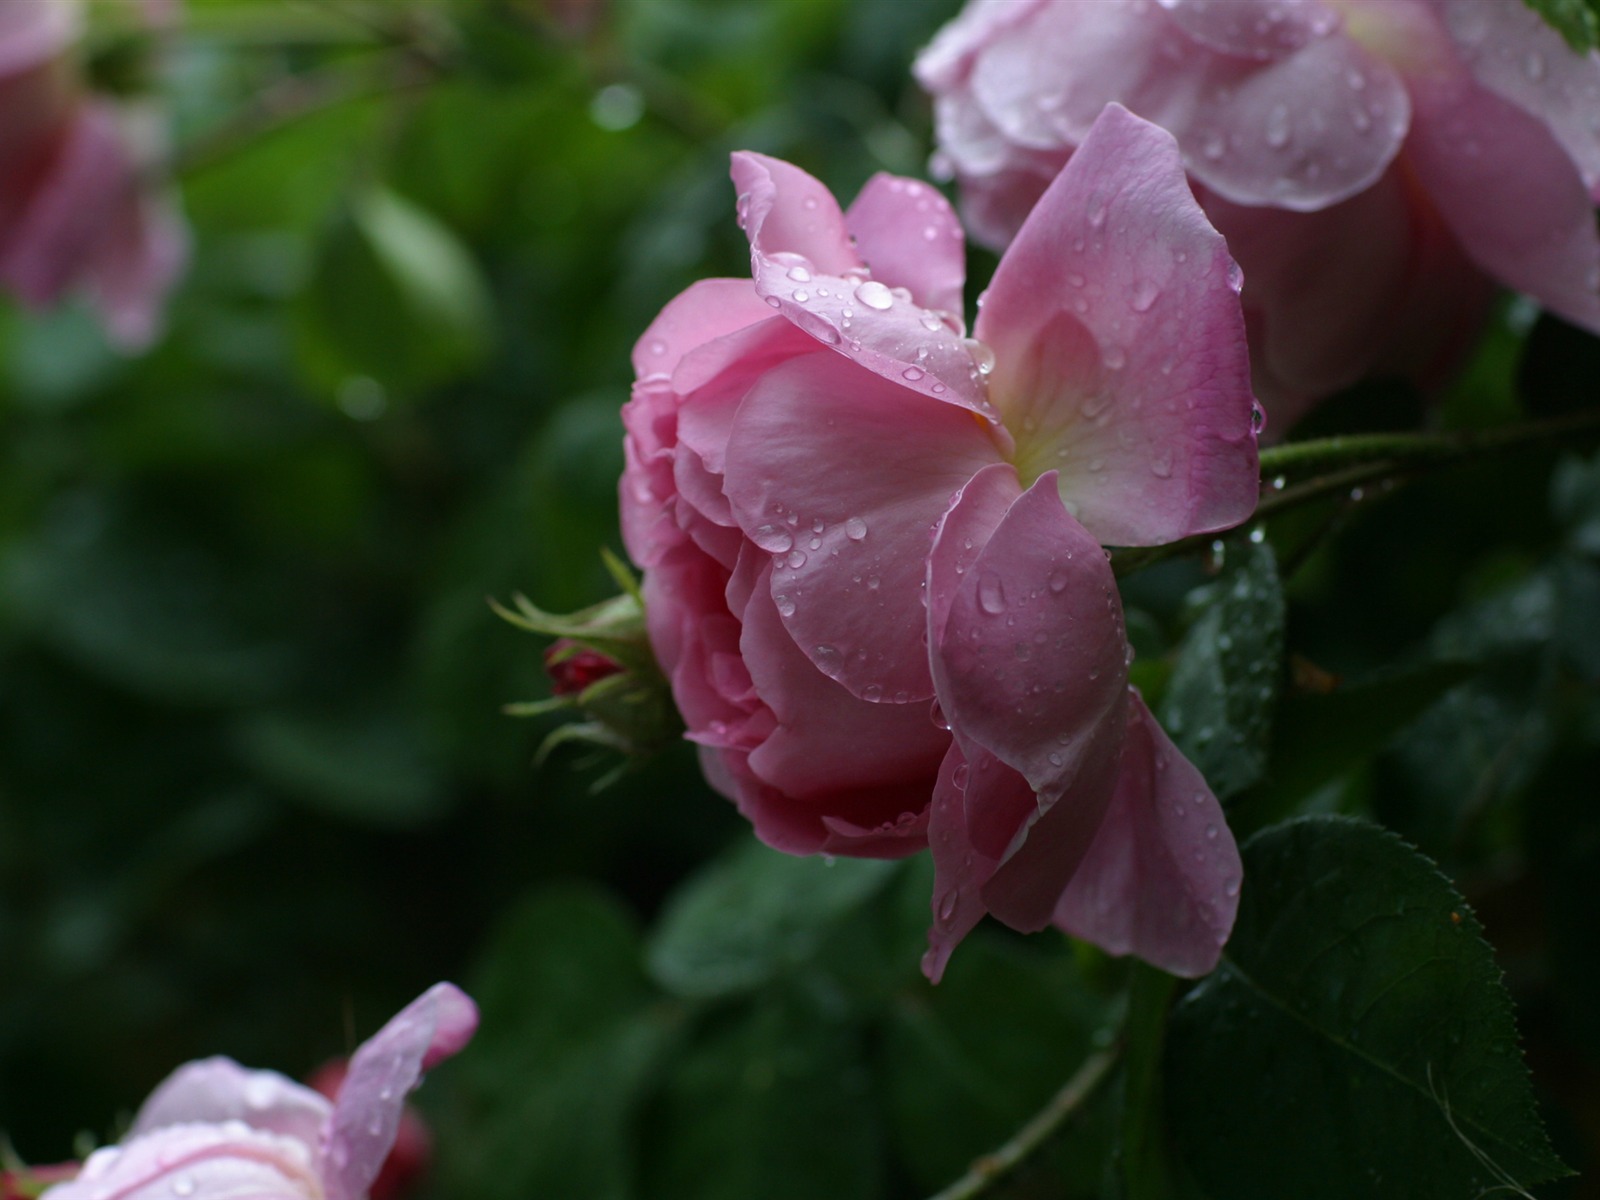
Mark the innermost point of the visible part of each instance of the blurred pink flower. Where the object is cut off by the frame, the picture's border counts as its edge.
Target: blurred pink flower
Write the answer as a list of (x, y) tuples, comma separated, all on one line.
[(214, 1129), (1374, 164), (77, 206), (872, 545)]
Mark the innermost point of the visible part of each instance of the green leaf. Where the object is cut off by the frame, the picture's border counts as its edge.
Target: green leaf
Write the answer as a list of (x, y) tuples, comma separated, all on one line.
[(396, 304), (754, 913), (774, 1102), (971, 1060), (1218, 705), (570, 1038), (1356, 1039), (1576, 20), (1320, 737)]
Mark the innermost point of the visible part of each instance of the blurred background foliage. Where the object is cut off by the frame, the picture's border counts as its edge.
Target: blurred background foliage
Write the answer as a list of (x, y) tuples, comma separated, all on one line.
[(255, 788)]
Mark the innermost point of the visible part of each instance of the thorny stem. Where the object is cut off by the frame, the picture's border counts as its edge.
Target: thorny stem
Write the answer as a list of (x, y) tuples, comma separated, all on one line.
[(991, 1168), (1361, 459)]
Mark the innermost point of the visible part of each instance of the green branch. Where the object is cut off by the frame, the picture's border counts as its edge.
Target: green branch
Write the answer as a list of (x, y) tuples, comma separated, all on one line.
[(991, 1168), (1351, 463)]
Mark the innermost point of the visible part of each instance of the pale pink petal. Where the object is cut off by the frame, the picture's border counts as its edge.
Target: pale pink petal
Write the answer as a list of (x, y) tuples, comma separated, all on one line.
[(1247, 128), (32, 31), (57, 235), (135, 264), (785, 211), (1514, 52), (1510, 193), (383, 1070), (827, 740), (703, 312), (1031, 665), (1374, 284), (1162, 878), (1120, 353), (909, 237), (204, 1161), (689, 626), (841, 476), (646, 494), (947, 59), (805, 268), (1259, 29), (219, 1089), (960, 869)]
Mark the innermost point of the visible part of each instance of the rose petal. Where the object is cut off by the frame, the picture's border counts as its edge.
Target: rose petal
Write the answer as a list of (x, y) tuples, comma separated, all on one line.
[(134, 266), (1259, 29), (1120, 352), (704, 311), (1511, 50), (804, 268), (910, 237), (219, 1089), (826, 739), (383, 1070), (1248, 129), (841, 476), (31, 33), (947, 59), (1162, 878), (960, 869), (205, 1160), (1510, 193), (57, 235)]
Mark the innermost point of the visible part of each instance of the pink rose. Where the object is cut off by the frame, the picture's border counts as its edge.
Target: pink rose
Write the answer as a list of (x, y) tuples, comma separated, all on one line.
[(214, 1129), (1374, 164), (76, 207), (873, 571)]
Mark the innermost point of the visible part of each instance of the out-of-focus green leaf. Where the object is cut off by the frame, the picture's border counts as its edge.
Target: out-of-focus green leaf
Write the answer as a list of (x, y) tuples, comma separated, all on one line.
[(363, 762), (1319, 737), (774, 1102), (567, 1044), (1356, 1039), (395, 301), (754, 913), (1219, 701), (969, 1061), (1577, 20)]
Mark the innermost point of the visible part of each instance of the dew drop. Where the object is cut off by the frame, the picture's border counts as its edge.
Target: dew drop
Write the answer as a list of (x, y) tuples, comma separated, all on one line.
[(1161, 465), (1145, 294), (785, 606), (991, 594), (774, 539), (796, 559), (1278, 126), (873, 583), (183, 1185), (799, 274), (874, 295), (855, 529), (958, 777), (872, 693), (774, 302), (912, 374), (1231, 887), (947, 905), (801, 297)]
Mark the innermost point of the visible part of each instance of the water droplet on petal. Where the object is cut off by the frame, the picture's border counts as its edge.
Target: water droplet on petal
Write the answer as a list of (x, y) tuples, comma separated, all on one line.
[(1145, 294), (796, 559), (1278, 126), (785, 605), (991, 594), (874, 295), (774, 539), (855, 529), (912, 374), (799, 274), (947, 904), (872, 693)]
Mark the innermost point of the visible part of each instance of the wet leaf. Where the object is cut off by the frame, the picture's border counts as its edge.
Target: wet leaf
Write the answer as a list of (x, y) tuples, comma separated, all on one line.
[(1356, 1039)]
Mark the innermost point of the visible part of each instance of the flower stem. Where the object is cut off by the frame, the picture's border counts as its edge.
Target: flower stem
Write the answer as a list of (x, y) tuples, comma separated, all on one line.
[(1351, 462), (991, 1168)]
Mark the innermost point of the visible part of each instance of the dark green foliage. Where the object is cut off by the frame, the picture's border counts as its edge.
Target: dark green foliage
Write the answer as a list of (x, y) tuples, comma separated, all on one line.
[(1356, 1040)]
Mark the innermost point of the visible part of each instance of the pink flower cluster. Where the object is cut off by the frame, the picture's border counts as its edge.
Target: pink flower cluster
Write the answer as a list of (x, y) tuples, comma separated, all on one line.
[(214, 1129), (872, 544), (1376, 165), (76, 206)]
